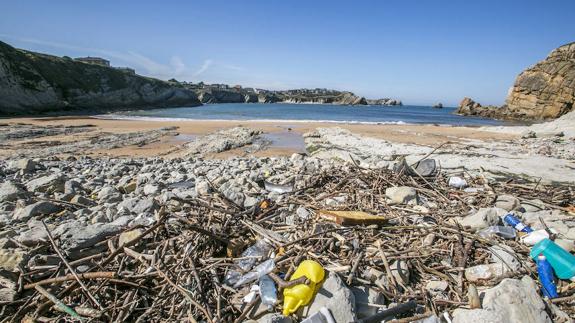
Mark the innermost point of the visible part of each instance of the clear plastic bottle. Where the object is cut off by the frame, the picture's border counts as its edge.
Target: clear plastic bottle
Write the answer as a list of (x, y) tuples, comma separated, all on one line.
[(498, 230), (268, 291)]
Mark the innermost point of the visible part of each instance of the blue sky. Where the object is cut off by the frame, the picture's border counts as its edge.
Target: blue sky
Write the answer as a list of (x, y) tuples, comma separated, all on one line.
[(421, 52)]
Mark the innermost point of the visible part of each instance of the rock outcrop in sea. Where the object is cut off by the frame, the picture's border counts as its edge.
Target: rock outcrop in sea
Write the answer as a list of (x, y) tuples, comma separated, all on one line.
[(33, 83), (544, 91)]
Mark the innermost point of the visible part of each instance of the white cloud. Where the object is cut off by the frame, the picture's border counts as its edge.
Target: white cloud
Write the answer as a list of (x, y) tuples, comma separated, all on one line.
[(205, 66)]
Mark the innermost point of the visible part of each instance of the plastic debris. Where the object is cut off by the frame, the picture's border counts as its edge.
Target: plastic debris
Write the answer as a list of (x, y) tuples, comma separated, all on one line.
[(301, 294), (546, 277), (497, 230), (271, 187), (457, 182), (516, 223), (561, 260), (268, 291), (264, 268)]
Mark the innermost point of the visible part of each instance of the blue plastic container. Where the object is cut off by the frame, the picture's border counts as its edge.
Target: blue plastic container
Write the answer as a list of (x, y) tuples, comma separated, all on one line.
[(561, 260), (516, 223), (546, 277)]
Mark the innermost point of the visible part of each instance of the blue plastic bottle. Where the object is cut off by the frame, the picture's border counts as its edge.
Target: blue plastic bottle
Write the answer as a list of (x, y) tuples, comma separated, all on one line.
[(516, 223), (561, 260), (546, 277)]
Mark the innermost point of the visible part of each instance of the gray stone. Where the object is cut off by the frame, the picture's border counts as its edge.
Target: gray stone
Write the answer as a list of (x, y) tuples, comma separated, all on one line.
[(533, 205), (151, 189), (336, 200), (339, 299), (36, 209), (272, 318), (109, 194), (72, 187), (8, 287), (363, 297), (436, 286), (11, 191), (303, 213), (25, 165), (401, 195), (48, 184), (483, 218), (250, 201), (139, 206), (79, 199), (202, 187), (75, 236), (502, 254), (484, 272), (12, 259), (507, 202), (512, 300), (35, 235), (400, 271)]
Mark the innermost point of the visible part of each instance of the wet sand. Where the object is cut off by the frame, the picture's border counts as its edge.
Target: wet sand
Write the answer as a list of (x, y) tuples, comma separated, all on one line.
[(286, 136)]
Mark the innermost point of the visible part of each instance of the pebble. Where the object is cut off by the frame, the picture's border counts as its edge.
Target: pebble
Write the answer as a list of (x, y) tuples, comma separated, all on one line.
[(401, 195)]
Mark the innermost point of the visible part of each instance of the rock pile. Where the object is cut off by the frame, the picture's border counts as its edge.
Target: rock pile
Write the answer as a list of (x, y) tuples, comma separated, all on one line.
[(154, 239)]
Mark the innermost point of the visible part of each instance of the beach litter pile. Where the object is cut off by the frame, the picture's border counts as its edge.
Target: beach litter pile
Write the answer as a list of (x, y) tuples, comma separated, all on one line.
[(297, 239)]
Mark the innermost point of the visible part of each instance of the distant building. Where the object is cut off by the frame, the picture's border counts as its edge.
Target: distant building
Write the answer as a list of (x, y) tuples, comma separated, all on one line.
[(94, 60)]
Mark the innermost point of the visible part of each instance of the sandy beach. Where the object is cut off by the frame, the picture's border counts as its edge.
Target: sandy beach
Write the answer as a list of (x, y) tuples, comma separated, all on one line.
[(286, 136)]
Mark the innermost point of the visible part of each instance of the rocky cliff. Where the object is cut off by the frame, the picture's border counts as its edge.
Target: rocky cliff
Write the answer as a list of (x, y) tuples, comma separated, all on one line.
[(32, 83), (344, 98), (547, 89), (384, 101), (544, 91)]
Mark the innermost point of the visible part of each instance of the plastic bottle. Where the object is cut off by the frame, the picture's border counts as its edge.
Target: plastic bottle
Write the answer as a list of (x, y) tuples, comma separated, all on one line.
[(504, 232), (546, 277), (516, 223), (302, 294), (264, 268), (561, 260), (268, 291)]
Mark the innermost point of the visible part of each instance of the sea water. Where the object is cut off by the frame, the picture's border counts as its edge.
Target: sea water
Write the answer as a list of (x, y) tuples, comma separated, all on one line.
[(361, 114)]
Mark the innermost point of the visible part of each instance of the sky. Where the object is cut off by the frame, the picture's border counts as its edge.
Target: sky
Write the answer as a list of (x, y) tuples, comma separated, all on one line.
[(421, 52)]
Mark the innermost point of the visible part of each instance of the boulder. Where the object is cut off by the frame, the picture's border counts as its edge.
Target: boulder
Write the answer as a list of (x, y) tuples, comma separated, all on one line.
[(512, 300), (545, 90), (12, 259), (11, 191), (401, 195), (507, 202), (109, 194), (25, 165), (339, 299), (483, 218), (363, 297), (47, 184), (36, 209), (129, 236), (75, 236), (203, 187)]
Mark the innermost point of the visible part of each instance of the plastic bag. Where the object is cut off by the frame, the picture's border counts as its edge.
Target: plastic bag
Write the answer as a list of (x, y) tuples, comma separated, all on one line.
[(268, 291)]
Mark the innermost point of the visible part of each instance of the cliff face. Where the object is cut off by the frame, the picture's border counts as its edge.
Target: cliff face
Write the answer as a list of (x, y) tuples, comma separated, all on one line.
[(221, 96), (33, 83), (544, 91), (344, 98), (547, 89)]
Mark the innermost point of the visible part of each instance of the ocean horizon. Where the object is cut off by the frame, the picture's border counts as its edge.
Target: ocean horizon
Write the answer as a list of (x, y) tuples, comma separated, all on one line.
[(302, 113)]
